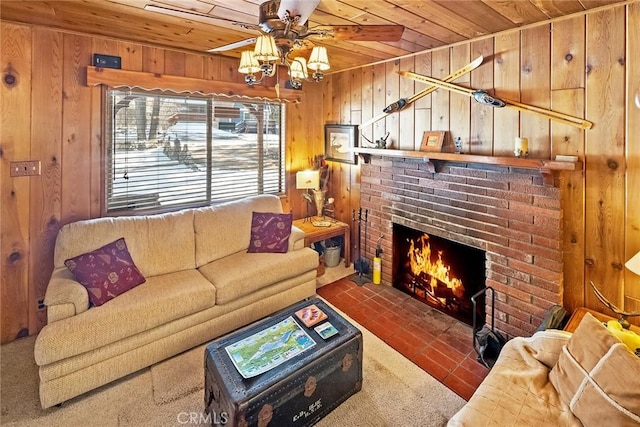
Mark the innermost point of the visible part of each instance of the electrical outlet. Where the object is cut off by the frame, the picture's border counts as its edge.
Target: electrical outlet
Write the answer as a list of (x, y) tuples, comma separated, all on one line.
[(41, 305), (27, 168)]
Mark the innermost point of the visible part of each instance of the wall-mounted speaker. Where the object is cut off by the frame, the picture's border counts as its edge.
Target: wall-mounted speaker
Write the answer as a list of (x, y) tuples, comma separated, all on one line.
[(106, 61)]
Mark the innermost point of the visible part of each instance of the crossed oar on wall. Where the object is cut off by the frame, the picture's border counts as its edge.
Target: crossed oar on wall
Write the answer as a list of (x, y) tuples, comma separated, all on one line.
[(484, 98)]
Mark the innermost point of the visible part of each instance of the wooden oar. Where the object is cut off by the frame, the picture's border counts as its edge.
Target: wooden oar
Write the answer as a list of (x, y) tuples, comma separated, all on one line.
[(484, 98)]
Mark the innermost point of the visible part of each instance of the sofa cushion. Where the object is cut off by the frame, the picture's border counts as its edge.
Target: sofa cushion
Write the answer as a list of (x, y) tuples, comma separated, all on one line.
[(170, 235), (242, 273), (270, 232), (598, 377), (161, 299), (173, 241), (225, 229), (106, 272)]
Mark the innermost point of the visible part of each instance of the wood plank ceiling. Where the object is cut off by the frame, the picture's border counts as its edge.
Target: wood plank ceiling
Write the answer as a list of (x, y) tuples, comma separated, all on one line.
[(428, 23)]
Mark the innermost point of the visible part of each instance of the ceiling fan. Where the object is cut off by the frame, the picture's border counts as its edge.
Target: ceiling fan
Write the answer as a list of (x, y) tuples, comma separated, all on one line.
[(283, 25), (286, 21)]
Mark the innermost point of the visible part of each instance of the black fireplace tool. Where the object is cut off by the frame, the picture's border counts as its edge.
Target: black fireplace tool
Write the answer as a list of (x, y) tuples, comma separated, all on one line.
[(487, 341), (361, 266)]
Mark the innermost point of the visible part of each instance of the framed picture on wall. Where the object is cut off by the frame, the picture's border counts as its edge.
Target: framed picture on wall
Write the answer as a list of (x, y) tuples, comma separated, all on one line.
[(338, 141), (432, 141)]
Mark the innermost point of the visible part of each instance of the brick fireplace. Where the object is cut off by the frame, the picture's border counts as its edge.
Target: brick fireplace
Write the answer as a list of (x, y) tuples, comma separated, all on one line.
[(508, 212)]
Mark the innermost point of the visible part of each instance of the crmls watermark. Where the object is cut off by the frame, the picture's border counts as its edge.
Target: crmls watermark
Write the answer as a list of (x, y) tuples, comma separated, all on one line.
[(196, 418)]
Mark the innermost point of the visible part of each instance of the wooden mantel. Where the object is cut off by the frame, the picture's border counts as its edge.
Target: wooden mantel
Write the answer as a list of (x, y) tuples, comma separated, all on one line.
[(545, 166), (178, 84)]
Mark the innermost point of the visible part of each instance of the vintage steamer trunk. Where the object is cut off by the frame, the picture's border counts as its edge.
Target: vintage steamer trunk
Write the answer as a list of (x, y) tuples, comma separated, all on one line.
[(296, 393)]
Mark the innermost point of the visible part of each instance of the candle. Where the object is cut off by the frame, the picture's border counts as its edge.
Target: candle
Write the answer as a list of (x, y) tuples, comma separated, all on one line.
[(522, 147)]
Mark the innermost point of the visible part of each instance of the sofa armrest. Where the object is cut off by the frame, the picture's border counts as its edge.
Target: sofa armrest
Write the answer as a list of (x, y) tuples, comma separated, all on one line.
[(296, 239), (64, 296), (545, 346)]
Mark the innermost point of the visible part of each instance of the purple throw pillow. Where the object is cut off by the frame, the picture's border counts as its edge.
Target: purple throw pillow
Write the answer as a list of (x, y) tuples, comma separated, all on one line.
[(270, 232), (106, 272)]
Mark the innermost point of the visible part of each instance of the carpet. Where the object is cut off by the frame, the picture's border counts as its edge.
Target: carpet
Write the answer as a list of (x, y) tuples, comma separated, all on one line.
[(395, 392)]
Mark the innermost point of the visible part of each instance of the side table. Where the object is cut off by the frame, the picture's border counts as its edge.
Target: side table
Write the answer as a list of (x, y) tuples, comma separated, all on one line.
[(579, 313), (315, 234)]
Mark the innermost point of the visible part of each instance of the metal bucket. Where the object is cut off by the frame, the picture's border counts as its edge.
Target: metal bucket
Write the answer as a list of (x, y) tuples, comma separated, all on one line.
[(332, 256)]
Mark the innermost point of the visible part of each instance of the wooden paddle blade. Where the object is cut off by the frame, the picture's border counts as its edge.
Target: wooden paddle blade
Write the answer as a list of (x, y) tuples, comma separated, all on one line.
[(191, 14), (232, 46), (380, 33)]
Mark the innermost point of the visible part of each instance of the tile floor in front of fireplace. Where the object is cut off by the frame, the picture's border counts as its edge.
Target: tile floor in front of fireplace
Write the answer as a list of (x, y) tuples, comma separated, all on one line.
[(439, 344)]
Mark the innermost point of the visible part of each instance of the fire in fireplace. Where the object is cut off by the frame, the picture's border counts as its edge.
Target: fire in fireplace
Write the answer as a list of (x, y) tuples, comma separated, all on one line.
[(440, 272)]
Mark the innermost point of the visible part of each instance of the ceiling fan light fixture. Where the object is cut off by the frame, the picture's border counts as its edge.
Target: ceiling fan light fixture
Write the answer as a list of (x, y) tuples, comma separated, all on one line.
[(269, 53), (266, 49), (248, 63), (319, 60), (298, 68)]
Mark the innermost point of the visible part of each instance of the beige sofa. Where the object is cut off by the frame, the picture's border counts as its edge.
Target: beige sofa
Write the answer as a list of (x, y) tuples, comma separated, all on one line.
[(556, 378), (200, 283)]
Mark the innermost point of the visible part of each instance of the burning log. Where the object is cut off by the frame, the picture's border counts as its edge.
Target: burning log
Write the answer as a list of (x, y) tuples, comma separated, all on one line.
[(425, 281), (442, 291)]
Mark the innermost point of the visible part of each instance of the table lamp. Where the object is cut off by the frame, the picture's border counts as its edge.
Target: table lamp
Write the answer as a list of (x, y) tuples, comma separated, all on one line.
[(308, 180), (634, 264)]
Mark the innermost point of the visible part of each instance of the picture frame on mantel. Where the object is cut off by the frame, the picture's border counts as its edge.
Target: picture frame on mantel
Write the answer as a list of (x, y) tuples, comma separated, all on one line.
[(432, 141), (338, 142)]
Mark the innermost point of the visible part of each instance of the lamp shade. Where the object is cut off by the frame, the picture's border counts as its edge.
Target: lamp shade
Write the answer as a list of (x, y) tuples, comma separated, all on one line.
[(266, 49), (319, 60), (248, 63), (298, 68), (634, 264), (308, 179)]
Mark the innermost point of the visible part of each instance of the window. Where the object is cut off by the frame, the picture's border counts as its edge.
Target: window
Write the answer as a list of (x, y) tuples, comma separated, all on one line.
[(167, 152)]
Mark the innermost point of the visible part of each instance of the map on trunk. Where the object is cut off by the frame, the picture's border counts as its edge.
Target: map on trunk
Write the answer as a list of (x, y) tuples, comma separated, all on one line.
[(269, 348)]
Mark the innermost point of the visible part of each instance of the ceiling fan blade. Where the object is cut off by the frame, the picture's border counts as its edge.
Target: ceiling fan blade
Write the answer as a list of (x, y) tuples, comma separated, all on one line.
[(232, 46), (195, 16), (380, 33), (304, 8)]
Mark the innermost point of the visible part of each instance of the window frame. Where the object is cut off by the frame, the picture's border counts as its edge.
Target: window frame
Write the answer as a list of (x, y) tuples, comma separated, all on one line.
[(107, 163)]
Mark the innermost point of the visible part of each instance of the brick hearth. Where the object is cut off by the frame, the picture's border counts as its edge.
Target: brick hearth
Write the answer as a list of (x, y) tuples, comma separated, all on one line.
[(508, 212)]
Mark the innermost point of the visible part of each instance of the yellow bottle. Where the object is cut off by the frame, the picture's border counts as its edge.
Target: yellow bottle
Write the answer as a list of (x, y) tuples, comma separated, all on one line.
[(377, 267), (377, 263)]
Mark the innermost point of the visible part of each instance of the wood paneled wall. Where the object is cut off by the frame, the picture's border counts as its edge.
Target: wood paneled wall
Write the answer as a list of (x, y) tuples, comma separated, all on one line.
[(49, 114), (586, 66)]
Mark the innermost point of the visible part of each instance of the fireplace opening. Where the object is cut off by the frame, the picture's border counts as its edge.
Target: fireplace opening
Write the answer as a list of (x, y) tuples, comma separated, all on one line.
[(439, 272)]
